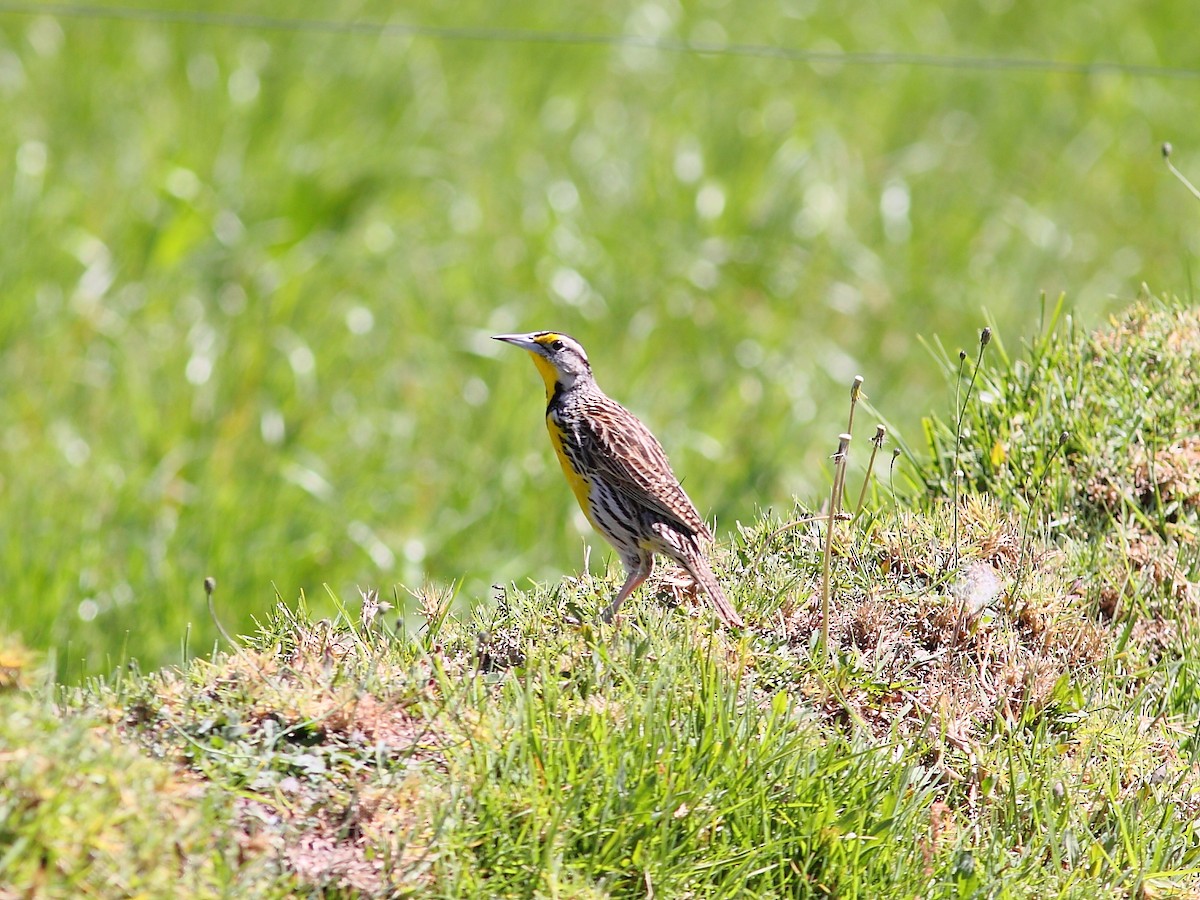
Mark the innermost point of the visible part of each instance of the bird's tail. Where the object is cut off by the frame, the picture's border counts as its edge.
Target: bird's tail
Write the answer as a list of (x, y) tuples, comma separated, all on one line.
[(696, 564)]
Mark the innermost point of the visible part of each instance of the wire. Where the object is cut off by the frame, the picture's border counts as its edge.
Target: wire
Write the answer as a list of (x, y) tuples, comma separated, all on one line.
[(529, 36)]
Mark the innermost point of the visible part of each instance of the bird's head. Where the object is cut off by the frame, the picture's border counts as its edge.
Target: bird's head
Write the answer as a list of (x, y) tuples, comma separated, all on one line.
[(559, 357)]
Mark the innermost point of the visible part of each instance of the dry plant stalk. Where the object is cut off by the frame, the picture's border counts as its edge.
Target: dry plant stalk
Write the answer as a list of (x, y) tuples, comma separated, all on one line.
[(835, 505)]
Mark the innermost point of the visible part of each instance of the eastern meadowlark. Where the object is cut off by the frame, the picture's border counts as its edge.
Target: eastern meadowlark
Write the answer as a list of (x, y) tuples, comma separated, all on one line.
[(618, 472)]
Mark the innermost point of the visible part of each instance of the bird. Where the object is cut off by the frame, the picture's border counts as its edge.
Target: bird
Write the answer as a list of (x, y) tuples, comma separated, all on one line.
[(619, 473)]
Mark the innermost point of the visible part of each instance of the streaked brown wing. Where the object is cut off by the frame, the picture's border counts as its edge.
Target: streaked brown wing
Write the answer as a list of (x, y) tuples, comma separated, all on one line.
[(631, 459)]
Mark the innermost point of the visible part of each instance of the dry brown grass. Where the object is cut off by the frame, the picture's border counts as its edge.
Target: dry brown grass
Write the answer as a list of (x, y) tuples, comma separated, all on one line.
[(952, 653), (326, 730), (1167, 479), (1176, 331)]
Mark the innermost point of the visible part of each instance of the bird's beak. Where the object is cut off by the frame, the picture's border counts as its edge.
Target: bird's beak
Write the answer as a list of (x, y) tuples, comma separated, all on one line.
[(524, 341)]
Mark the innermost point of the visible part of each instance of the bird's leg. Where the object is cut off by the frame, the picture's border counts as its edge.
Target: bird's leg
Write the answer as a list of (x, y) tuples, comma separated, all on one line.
[(639, 571)]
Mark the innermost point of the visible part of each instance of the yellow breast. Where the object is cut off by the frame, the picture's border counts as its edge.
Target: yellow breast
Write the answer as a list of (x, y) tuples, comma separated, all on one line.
[(579, 485)]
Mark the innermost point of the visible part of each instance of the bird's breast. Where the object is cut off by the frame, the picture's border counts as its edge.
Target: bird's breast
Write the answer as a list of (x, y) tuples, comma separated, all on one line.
[(568, 458)]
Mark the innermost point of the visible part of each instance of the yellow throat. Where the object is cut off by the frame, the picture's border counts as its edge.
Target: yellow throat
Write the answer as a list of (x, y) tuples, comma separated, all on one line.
[(548, 372), (580, 486)]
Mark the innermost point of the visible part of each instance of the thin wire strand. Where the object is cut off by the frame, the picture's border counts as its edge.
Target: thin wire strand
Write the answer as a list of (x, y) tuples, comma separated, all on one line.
[(528, 36)]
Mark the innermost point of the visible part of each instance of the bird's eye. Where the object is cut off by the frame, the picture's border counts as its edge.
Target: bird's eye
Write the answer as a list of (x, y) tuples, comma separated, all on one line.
[(556, 345)]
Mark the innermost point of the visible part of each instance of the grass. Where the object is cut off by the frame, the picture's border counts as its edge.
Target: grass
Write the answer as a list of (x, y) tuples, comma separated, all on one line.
[(249, 274), (1006, 711), (84, 815)]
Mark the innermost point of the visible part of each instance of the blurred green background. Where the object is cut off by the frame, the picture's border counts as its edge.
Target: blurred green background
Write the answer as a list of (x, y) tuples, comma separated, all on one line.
[(249, 272)]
